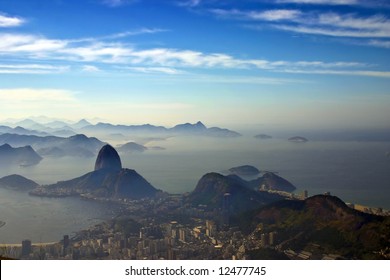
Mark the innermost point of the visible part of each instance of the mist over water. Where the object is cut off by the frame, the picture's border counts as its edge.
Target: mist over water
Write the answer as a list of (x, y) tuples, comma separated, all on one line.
[(357, 172), (45, 219)]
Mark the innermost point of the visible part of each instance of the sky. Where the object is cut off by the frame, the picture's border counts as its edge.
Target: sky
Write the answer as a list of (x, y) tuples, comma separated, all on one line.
[(321, 64)]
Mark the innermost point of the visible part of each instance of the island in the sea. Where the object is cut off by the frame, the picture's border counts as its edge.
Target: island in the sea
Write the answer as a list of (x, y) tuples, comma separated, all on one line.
[(22, 156), (298, 139), (244, 170), (224, 217), (18, 182)]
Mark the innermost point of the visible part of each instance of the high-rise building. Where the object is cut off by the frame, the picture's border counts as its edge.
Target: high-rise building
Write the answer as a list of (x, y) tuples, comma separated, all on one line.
[(211, 228), (226, 209), (182, 235), (26, 247), (264, 240), (272, 238), (65, 246)]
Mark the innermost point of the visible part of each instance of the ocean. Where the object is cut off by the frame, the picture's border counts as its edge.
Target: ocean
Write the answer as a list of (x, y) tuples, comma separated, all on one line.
[(357, 172)]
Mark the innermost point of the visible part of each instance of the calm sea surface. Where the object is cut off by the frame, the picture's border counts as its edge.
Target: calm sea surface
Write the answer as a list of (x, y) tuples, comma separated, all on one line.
[(45, 219), (357, 172)]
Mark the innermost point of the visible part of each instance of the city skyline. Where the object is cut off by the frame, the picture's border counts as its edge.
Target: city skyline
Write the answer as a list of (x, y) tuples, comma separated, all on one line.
[(284, 63)]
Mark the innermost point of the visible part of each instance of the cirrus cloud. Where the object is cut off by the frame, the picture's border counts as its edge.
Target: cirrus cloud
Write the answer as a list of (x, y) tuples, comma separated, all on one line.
[(150, 60)]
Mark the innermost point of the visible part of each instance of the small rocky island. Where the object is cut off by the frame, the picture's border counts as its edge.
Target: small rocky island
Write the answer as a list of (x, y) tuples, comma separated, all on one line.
[(131, 147), (244, 170), (23, 156), (298, 139), (17, 182)]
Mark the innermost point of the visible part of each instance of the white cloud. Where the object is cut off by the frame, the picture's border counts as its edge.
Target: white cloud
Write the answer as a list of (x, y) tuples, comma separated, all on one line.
[(156, 60), (322, 2), (248, 80), (101, 52), (32, 69), (328, 23), (158, 106), (90, 68), (190, 3), (135, 32), (14, 43), (6, 21), (119, 35), (334, 32), (34, 101), (377, 25), (118, 3), (364, 3), (37, 95), (274, 15), (155, 70), (266, 15), (379, 43), (377, 74)]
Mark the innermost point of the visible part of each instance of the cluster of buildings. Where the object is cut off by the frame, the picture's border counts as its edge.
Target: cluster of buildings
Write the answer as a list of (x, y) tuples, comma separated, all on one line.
[(163, 228)]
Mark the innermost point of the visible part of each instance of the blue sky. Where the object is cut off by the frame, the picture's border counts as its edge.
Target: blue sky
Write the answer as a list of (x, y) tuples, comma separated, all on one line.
[(282, 63)]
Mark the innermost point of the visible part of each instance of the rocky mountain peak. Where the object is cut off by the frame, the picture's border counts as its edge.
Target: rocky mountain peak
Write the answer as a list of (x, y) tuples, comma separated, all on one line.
[(108, 158)]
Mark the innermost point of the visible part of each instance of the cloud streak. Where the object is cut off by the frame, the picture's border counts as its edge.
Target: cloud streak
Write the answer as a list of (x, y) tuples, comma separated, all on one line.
[(148, 61), (365, 3), (7, 21), (155, 70), (322, 2), (35, 95), (324, 23), (377, 74), (118, 3), (32, 69), (190, 3), (267, 15)]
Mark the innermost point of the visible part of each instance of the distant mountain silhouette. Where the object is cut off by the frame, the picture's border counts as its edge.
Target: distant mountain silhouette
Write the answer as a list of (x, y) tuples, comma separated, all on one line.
[(212, 187), (21, 131), (108, 179), (23, 156), (62, 128), (63, 132), (326, 221), (192, 129), (262, 136), (221, 132), (271, 181), (56, 124), (17, 182), (30, 124), (80, 124), (200, 129), (244, 170), (131, 147), (76, 145), (108, 128)]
